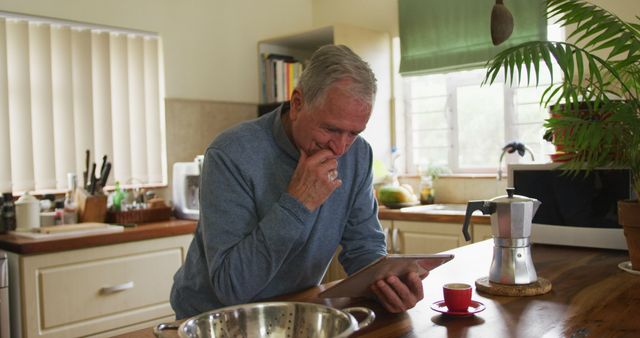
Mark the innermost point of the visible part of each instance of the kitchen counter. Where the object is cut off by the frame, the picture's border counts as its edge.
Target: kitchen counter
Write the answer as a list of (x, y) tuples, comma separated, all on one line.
[(398, 214), (22, 245), (590, 297), (173, 227)]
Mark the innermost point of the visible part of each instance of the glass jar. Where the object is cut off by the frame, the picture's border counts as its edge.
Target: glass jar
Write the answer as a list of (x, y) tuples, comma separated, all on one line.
[(427, 193)]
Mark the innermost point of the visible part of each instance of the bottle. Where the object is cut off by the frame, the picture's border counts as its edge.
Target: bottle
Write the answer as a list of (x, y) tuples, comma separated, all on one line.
[(70, 213), (427, 192), (59, 213), (118, 197), (9, 211)]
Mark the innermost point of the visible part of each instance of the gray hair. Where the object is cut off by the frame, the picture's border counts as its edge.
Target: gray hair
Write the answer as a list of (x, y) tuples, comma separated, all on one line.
[(331, 63)]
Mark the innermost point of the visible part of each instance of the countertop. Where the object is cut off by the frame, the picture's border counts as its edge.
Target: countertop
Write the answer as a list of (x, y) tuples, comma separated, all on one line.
[(590, 297), (398, 214), (22, 245), (173, 227)]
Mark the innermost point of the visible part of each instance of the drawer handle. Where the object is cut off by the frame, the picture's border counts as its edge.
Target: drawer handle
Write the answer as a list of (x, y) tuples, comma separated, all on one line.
[(116, 288), (394, 241)]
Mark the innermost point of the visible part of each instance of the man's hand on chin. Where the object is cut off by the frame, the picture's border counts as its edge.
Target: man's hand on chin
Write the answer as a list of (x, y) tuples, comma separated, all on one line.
[(315, 178)]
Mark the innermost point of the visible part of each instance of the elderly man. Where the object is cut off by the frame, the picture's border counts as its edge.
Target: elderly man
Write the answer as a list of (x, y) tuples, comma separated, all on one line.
[(279, 194)]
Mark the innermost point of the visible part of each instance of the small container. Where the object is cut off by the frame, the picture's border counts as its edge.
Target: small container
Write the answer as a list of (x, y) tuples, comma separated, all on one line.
[(427, 193), (47, 218), (59, 213), (27, 212), (70, 215)]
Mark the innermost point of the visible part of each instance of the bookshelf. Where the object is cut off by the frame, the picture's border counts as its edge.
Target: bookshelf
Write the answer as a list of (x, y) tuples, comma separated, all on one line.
[(373, 46)]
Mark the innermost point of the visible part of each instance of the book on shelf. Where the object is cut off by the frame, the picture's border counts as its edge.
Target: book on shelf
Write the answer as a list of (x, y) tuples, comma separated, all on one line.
[(279, 76)]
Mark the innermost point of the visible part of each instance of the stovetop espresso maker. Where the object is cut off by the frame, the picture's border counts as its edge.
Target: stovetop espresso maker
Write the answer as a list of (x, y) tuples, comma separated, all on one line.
[(511, 217)]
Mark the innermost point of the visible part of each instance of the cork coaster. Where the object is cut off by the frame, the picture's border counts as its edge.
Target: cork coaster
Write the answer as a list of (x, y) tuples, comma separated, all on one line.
[(539, 287)]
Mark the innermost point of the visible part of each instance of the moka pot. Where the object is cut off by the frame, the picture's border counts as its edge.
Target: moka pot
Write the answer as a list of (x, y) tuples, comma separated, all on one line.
[(511, 217)]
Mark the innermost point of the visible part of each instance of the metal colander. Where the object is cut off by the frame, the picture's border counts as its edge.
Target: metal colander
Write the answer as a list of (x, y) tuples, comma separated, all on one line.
[(273, 319)]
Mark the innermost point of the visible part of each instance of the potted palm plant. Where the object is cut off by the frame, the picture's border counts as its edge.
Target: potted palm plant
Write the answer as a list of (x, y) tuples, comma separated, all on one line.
[(595, 106)]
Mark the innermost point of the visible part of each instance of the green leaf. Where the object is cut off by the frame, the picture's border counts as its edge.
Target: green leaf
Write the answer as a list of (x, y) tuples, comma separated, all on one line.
[(518, 63), (568, 56), (547, 59), (579, 64), (527, 62), (535, 55), (511, 66), (611, 32)]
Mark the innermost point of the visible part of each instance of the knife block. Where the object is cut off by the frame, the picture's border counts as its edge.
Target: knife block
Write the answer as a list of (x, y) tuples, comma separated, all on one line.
[(91, 208)]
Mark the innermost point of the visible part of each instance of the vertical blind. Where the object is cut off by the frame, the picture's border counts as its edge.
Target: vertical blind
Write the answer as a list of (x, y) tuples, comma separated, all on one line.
[(66, 88), (445, 35)]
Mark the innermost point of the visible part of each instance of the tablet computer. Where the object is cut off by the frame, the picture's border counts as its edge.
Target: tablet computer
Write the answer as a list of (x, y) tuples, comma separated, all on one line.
[(357, 285)]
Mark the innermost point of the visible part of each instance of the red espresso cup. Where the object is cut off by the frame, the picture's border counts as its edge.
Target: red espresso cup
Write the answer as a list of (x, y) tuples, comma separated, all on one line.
[(457, 296)]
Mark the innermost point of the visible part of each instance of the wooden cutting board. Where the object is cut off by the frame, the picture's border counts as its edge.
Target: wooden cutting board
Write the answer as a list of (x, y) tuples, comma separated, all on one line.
[(69, 230), (70, 227)]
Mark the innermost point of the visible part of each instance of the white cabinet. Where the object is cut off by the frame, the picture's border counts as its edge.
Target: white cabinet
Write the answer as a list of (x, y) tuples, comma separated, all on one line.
[(100, 291), (335, 270), (414, 237), (481, 232), (426, 237)]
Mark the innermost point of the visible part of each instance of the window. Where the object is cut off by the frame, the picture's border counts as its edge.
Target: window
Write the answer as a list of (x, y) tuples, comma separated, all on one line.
[(451, 120), (67, 87)]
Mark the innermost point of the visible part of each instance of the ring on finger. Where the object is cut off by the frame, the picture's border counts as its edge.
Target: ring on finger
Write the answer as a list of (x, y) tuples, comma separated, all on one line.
[(332, 175)]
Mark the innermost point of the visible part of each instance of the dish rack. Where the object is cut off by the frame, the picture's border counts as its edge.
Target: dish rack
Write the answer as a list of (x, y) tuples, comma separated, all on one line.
[(139, 216)]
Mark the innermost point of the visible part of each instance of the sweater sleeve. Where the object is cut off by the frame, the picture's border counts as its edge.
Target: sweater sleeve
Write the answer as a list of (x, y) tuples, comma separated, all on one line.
[(363, 240), (243, 253)]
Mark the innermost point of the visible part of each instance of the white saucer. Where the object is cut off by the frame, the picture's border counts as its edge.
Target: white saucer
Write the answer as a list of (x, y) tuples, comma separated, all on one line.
[(626, 266)]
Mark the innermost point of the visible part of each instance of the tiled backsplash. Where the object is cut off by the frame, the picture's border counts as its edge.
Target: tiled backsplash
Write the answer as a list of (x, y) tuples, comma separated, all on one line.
[(456, 189), (193, 124)]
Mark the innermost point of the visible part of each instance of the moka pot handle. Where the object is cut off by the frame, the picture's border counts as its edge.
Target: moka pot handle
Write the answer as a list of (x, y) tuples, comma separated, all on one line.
[(485, 206)]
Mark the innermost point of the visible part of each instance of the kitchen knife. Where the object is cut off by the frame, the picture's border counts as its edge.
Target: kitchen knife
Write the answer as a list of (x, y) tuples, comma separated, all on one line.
[(92, 185), (104, 175), (104, 163), (85, 173)]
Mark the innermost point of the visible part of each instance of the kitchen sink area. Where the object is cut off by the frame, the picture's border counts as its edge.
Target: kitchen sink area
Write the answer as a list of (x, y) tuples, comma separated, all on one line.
[(438, 209)]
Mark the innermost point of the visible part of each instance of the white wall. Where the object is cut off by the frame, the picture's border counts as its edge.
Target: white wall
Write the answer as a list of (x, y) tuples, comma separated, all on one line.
[(379, 15), (210, 46)]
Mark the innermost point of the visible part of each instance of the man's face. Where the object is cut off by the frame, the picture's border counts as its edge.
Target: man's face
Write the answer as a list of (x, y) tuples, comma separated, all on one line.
[(332, 123)]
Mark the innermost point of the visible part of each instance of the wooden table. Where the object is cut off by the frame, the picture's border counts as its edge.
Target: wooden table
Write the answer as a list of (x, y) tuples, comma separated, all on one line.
[(591, 297)]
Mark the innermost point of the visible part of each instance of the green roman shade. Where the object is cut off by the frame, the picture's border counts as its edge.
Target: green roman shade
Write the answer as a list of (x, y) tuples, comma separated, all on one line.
[(447, 35)]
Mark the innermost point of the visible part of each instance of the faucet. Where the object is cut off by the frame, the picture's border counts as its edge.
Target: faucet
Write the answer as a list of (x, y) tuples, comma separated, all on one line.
[(511, 148)]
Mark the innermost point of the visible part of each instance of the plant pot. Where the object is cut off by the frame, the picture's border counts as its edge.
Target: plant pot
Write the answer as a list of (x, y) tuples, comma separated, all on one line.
[(629, 218), (563, 137)]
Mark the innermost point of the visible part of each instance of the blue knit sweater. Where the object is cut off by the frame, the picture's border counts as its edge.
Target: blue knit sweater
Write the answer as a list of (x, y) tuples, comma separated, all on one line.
[(254, 240)]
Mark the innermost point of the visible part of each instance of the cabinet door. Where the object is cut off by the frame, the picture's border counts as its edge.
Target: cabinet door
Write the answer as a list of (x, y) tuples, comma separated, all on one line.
[(335, 270), (427, 237), (387, 227), (92, 291), (481, 232)]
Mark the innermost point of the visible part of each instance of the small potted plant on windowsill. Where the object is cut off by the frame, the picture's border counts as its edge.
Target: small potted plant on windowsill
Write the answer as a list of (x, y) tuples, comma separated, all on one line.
[(603, 86)]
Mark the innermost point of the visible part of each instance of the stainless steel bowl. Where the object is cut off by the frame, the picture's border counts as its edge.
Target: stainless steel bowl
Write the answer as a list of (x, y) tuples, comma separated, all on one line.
[(273, 319)]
